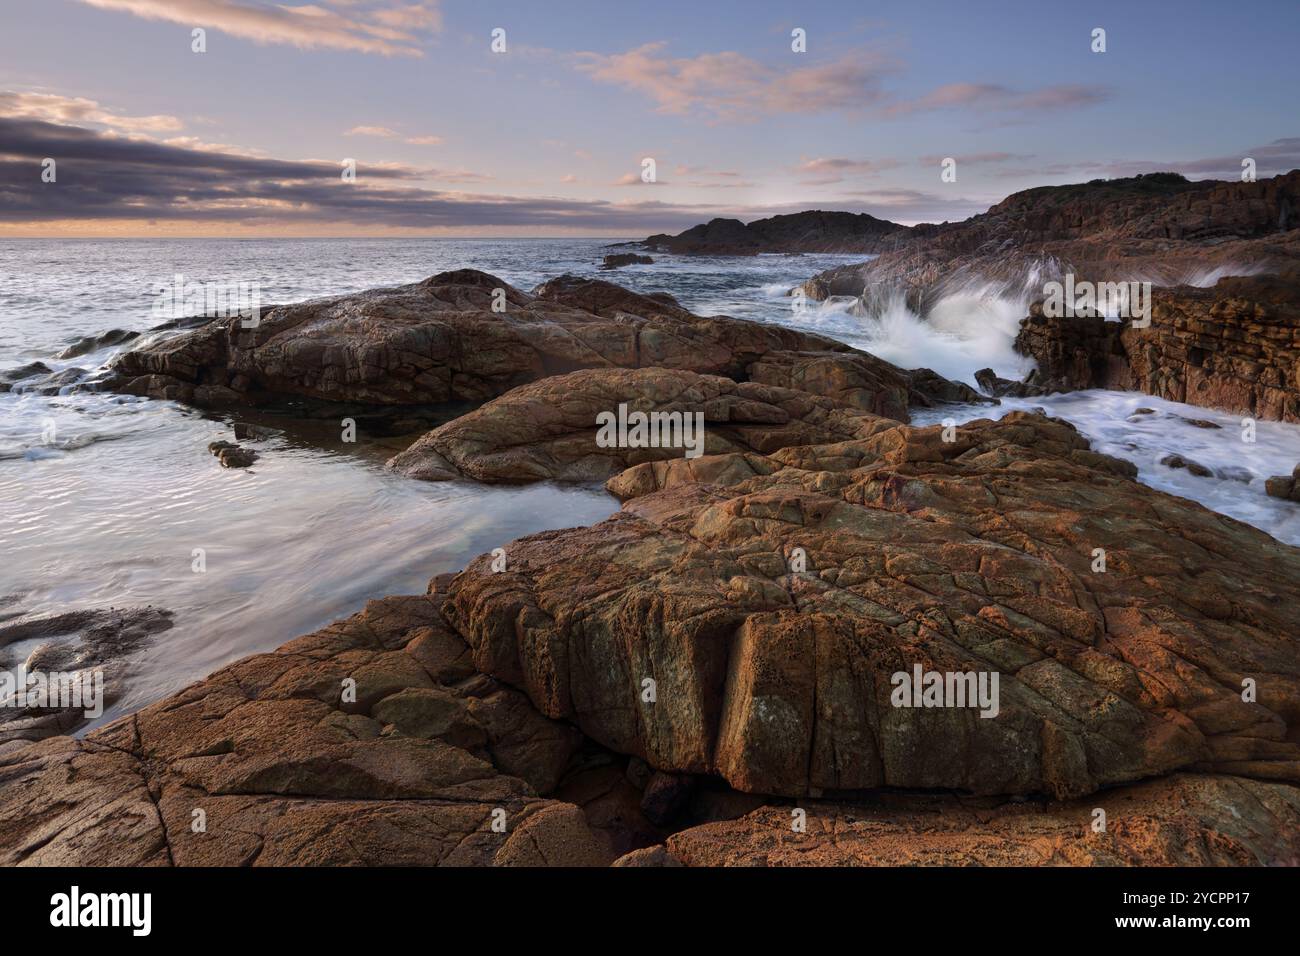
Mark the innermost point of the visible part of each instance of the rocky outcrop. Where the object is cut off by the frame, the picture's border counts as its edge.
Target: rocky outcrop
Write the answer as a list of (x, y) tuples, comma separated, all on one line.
[(1182, 820), (1160, 228), (467, 337), (371, 742), (997, 623), (1235, 346), (63, 649), (972, 556), (743, 621), (810, 231), (550, 430)]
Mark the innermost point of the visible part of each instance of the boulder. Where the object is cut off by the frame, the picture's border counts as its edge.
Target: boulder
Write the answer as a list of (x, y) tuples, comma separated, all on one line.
[(619, 259), (467, 336), (552, 429)]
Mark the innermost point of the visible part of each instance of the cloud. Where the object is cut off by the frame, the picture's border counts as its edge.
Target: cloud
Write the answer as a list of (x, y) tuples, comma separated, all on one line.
[(72, 110), (832, 169), (993, 97), (634, 179), (381, 27), (728, 86), (381, 131), (111, 178)]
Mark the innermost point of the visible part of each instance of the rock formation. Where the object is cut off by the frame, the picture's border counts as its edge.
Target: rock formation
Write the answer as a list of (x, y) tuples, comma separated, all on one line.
[(813, 602), (467, 337), (656, 688), (1182, 820), (548, 430), (810, 231), (1160, 228), (1235, 346), (619, 259)]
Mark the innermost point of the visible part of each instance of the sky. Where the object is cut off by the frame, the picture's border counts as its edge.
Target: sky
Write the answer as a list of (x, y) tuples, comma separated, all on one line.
[(478, 118)]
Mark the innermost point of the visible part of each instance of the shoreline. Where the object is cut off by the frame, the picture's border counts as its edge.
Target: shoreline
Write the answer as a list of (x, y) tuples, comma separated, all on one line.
[(814, 517)]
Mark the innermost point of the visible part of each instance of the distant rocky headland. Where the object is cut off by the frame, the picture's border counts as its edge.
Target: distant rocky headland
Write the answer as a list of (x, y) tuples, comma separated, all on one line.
[(812, 231), (710, 676)]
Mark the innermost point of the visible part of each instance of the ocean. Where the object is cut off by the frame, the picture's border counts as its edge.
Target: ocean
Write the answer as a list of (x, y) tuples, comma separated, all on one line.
[(112, 510)]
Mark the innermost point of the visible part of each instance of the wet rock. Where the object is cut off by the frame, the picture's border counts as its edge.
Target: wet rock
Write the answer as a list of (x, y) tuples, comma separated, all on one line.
[(1286, 487), (1160, 227), (77, 644), (447, 339), (625, 259), (937, 390), (246, 431), (231, 455), (50, 384), (1231, 346), (30, 370), (1178, 461), (93, 343), (1001, 387), (287, 772)]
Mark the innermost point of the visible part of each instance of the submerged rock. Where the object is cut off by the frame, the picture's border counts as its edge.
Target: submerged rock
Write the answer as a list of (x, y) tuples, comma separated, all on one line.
[(93, 343), (74, 644), (619, 259), (30, 370), (1195, 468), (231, 455)]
